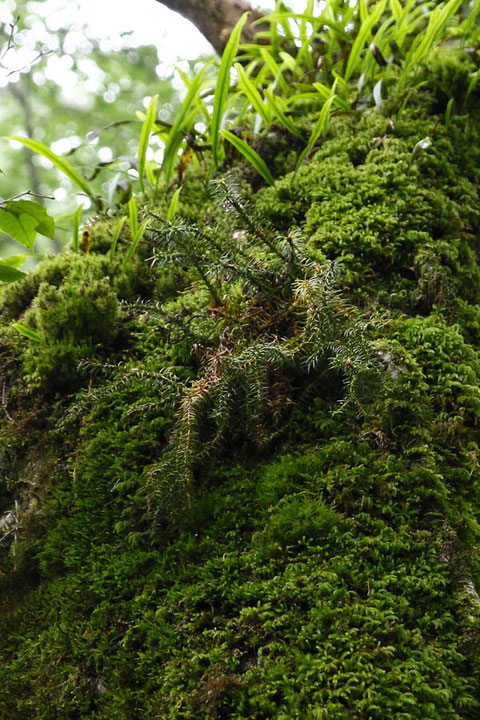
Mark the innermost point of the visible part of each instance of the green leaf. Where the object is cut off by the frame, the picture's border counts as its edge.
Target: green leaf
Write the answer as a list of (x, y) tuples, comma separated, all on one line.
[(22, 228), (173, 207), (251, 92), (147, 128), (320, 128), (27, 332), (448, 112), (362, 38), (9, 274), (249, 153), (15, 261), (396, 8), (425, 41), (116, 235), (275, 104), (275, 71), (59, 163), (185, 115), (77, 217), (327, 92), (45, 223), (132, 216), (223, 85), (135, 240)]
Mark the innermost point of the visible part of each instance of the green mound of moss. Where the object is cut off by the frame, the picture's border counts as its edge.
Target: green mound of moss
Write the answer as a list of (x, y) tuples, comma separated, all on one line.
[(243, 481)]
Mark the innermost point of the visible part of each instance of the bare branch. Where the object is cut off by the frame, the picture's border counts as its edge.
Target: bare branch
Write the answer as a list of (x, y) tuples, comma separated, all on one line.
[(216, 18)]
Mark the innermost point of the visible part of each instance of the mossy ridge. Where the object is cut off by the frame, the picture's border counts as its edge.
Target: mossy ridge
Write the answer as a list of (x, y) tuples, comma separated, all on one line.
[(255, 606)]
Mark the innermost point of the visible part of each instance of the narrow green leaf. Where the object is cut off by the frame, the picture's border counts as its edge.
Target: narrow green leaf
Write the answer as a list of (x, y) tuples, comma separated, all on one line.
[(275, 71), (249, 153), (448, 112), (316, 20), (396, 8), (223, 85), (251, 92), (59, 163), (77, 218), (135, 240), (362, 38), (145, 132), (439, 17), (115, 236), (150, 169), (10, 274), (327, 92), (132, 216), (320, 128), (27, 332), (275, 105), (173, 207), (185, 115)]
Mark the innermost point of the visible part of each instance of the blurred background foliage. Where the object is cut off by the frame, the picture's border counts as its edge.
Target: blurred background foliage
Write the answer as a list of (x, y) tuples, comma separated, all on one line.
[(78, 94)]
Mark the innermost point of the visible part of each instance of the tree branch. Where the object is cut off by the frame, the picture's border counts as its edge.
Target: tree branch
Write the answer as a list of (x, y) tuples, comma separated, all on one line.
[(216, 18)]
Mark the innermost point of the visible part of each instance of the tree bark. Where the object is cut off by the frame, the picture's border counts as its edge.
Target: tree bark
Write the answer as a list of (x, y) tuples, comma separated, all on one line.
[(216, 18)]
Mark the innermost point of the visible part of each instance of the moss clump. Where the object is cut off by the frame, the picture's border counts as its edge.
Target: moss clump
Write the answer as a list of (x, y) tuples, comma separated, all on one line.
[(263, 502), (73, 322)]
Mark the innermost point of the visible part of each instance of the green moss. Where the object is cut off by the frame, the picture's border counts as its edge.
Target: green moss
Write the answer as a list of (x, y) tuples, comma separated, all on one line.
[(324, 561)]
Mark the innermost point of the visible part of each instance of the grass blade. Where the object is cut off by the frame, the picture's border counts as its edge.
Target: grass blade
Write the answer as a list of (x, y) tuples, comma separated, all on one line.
[(223, 85), (327, 92), (275, 70), (147, 128), (249, 153)]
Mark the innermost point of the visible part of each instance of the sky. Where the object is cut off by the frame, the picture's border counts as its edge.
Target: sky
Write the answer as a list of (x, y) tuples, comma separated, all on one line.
[(147, 23)]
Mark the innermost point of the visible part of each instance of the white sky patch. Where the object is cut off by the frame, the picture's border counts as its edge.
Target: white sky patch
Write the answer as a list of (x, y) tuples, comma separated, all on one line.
[(113, 23)]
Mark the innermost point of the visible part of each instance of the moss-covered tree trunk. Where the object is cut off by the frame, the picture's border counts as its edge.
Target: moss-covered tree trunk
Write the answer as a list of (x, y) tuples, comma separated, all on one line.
[(244, 482)]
